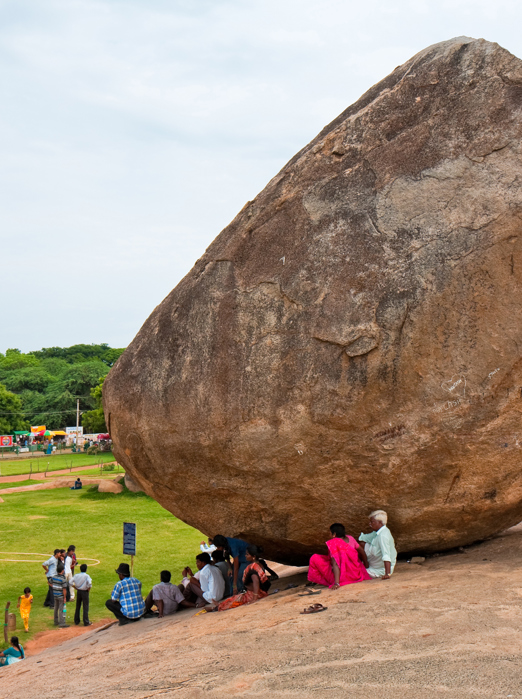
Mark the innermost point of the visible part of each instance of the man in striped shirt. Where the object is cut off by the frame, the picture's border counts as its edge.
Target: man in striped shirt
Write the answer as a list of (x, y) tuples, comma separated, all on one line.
[(59, 589), (126, 602)]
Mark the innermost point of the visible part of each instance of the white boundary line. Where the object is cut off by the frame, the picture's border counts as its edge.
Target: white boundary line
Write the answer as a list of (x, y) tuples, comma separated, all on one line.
[(40, 555)]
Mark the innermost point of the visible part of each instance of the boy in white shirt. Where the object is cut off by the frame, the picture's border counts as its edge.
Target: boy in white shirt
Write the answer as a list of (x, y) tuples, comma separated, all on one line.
[(82, 583)]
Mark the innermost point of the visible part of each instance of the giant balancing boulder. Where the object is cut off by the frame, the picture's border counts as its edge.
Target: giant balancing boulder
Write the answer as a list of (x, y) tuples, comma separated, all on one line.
[(353, 339)]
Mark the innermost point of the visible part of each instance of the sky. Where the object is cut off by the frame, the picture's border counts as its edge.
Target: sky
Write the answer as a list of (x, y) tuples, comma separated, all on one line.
[(133, 131)]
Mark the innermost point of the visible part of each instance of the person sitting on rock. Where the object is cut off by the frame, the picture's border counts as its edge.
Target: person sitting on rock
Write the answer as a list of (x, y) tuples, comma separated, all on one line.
[(226, 570), (13, 654), (255, 581), (210, 588), (379, 546), (272, 575), (126, 602), (166, 596), (344, 564)]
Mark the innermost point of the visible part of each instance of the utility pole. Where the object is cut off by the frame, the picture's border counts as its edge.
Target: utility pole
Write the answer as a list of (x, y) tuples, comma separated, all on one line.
[(77, 423)]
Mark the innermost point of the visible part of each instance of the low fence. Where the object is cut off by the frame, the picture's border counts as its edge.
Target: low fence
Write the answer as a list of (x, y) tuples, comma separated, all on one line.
[(32, 448)]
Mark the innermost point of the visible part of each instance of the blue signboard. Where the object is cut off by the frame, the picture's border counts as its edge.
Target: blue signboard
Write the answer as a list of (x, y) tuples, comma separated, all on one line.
[(129, 538)]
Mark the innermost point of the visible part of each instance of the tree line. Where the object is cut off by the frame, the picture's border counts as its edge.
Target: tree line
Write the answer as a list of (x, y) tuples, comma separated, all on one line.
[(41, 387)]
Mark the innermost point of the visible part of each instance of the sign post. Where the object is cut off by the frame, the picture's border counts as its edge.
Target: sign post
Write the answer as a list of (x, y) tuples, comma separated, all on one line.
[(6, 620), (129, 542), (6, 440)]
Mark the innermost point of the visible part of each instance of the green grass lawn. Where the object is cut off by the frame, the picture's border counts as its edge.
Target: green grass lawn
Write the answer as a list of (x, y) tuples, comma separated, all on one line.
[(53, 462), (38, 522)]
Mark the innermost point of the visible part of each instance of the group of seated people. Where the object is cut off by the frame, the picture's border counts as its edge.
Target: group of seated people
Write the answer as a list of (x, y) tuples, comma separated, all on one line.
[(231, 573), (350, 561)]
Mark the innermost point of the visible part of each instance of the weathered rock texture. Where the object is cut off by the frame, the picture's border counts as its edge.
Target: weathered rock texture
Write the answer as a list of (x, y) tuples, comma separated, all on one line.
[(110, 487), (353, 339), (131, 485)]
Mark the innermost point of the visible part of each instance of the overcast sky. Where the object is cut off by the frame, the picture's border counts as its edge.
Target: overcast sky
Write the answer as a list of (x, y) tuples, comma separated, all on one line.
[(133, 131)]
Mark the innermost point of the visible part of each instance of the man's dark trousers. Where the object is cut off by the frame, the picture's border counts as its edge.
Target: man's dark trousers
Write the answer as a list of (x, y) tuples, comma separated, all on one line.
[(82, 597), (115, 607), (49, 600)]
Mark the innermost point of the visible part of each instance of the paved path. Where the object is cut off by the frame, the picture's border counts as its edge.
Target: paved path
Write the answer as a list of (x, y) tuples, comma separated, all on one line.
[(39, 476)]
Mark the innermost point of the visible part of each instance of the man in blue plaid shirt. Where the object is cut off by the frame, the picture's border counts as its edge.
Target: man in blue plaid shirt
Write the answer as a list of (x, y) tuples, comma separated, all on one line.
[(126, 602)]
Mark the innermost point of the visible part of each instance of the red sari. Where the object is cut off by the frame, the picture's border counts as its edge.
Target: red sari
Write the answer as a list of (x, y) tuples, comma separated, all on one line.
[(247, 597), (351, 569)]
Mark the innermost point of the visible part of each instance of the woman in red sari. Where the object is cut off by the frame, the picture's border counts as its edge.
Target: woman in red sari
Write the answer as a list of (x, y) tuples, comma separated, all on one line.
[(254, 579), (346, 561)]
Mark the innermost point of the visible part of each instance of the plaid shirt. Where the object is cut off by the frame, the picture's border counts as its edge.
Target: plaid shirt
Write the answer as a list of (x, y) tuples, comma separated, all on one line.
[(128, 593)]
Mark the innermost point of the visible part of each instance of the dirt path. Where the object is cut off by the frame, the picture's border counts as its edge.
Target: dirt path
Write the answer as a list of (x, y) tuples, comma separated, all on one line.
[(51, 484), (447, 629), (39, 476)]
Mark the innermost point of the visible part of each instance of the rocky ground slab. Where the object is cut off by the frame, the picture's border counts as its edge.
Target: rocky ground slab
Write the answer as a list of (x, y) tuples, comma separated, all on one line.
[(448, 628)]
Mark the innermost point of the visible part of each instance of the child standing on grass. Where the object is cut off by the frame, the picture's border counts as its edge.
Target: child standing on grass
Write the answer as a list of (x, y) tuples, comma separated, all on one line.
[(24, 603)]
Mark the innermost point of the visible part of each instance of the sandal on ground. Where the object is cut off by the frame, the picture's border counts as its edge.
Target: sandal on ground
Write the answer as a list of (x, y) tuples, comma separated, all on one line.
[(307, 593), (314, 608)]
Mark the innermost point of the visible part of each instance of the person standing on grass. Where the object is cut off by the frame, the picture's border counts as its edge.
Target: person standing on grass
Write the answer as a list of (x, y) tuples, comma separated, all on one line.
[(70, 562), (126, 602), (50, 569), (24, 604), (82, 584), (59, 588)]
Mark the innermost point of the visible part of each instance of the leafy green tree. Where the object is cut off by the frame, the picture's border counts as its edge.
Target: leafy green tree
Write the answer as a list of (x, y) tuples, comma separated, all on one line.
[(81, 353), (94, 420), (14, 359), (32, 378), (50, 381), (11, 417)]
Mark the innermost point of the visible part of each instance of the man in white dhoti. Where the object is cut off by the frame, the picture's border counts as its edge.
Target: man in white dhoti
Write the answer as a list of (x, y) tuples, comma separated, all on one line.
[(379, 547)]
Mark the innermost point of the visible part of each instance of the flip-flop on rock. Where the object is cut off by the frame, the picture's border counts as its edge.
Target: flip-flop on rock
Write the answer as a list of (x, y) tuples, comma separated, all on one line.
[(314, 608), (307, 593)]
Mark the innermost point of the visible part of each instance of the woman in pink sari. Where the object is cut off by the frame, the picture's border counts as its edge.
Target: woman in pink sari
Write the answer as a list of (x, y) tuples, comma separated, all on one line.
[(346, 561)]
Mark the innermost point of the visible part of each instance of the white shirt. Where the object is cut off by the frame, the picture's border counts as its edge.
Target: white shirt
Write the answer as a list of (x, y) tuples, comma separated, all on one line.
[(51, 564), (169, 594), (380, 547), (68, 563), (82, 581), (205, 548), (212, 583)]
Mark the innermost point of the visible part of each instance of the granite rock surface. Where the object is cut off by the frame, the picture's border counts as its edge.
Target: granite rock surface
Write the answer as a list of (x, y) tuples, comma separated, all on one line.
[(353, 339)]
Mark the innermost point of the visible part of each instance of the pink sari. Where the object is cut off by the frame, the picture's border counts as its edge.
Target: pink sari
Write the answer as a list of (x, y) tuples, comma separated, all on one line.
[(345, 555)]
